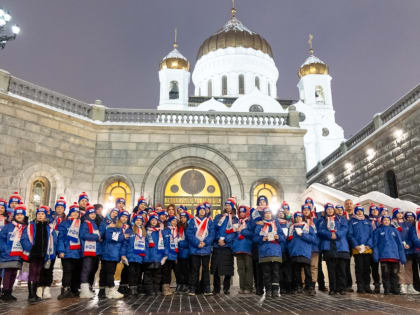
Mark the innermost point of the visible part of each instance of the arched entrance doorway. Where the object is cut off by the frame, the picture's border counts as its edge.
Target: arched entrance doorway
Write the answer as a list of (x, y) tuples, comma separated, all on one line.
[(192, 186)]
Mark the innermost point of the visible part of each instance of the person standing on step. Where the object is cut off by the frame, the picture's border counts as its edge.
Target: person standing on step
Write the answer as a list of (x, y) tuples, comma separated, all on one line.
[(171, 238), (222, 257), (375, 221), (182, 267)]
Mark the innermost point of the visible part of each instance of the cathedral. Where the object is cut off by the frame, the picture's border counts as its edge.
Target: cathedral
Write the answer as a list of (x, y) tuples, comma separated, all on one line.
[(230, 137)]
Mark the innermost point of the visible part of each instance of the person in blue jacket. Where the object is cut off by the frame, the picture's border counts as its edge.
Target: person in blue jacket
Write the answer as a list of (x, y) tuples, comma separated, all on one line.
[(11, 251), (360, 235), (134, 249), (286, 267), (69, 250), (301, 238), (200, 236), (115, 236), (389, 251), (90, 238), (311, 218), (242, 249), (222, 257), (39, 239), (270, 239), (171, 237), (410, 225), (182, 267), (157, 251), (415, 239), (406, 272), (332, 232), (375, 221)]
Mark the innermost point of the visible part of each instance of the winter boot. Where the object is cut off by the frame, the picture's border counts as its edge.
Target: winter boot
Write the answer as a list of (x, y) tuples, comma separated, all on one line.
[(85, 292), (65, 294), (101, 294), (403, 289), (377, 288), (40, 292), (367, 289), (411, 290), (30, 295), (47, 293), (7, 296), (275, 291), (112, 293), (35, 297), (134, 291)]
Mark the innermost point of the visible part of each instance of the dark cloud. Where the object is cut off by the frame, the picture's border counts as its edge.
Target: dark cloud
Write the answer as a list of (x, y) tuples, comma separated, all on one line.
[(110, 50)]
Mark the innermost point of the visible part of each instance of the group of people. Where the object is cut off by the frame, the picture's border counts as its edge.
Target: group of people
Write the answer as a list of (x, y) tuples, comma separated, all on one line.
[(277, 251)]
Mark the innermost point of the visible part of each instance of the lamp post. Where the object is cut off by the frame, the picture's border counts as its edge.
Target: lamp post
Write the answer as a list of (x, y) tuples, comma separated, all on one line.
[(5, 18)]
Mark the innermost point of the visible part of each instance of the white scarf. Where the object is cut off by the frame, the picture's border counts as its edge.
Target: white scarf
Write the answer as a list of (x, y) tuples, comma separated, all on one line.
[(202, 228), (17, 249), (73, 234)]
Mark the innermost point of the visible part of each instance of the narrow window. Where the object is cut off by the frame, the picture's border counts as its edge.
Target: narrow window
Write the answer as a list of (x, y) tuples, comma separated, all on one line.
[(224, 85), (173, 90), (241, 84)]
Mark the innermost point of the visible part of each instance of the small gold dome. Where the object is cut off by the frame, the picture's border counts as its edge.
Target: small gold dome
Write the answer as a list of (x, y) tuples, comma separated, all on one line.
[(313, 65), (234, 34), (175, 60)]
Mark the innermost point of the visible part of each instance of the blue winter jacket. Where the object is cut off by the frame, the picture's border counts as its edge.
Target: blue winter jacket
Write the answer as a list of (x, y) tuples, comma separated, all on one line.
[(184, 246), (415, 241), (86, 236), (194, 241), (27, 245), (270, 248), (324, 235), (63, 244), (6, 243), (172, 254), (360, 232), (242, 243), (111, 248), (220, 231), (301, 245), (154, 254), (406, 237), (387, 244), (127, 249)]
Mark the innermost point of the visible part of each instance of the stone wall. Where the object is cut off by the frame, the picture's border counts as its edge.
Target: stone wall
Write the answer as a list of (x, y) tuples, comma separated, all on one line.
[(395, 146), (78, 154)]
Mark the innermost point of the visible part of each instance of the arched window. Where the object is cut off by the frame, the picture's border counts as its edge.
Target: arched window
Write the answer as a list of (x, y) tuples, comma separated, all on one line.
[(257, 82), (319, 95), (40, 194), (173, 90), (256, 108), (117, 189), (224, 85), (265, 190), (391, 188), (241, 84), (209, 88), (269, 89)]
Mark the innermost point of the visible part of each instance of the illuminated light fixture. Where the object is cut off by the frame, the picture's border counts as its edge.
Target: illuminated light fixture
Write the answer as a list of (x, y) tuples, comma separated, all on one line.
[(398, 133), (348, 166), (5, 36), (370, 154), (274, 206)]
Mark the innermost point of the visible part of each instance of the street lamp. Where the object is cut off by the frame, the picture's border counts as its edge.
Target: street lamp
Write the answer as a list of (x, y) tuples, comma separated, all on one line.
[(5, 18)]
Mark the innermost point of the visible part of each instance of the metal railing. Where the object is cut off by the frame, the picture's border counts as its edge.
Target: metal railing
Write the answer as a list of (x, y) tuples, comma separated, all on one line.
[(398, 107), (42, 95)]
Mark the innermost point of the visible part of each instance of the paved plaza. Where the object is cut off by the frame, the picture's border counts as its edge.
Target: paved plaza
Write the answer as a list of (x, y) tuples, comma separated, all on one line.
[(239, 304)]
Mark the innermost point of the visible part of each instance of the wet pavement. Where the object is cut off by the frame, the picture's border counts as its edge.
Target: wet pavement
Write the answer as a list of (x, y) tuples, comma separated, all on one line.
[(234, 303)]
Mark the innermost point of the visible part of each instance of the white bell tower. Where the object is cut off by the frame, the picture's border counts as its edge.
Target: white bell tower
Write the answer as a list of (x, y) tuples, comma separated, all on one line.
[(174, 78)]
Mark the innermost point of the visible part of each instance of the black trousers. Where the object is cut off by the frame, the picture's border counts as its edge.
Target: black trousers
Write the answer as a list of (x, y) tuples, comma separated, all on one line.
[(124, 276), (390, 276), (182, 269), (321, 278), (87, 264), (197, 262), (271, 275), (286, 275), (216, 282), (134, 270), (46, 278), (374, 269), (297, 271), (106, 275), (71, 273), (94, 269), (258, 276), (167, 271), (349, 280), (151, 279), (337, 273), (362, 270)]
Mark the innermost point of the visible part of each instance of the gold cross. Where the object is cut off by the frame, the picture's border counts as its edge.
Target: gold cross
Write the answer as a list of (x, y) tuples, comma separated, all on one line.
[(175, 43), (311, 51), (233, 8)]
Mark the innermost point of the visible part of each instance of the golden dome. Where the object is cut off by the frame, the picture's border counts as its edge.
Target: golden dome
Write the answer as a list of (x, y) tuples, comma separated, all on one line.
[(234, 34), (175, 60), (313, 65)]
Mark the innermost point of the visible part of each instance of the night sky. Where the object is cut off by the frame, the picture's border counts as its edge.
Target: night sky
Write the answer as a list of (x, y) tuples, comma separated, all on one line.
[(110, 50)]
